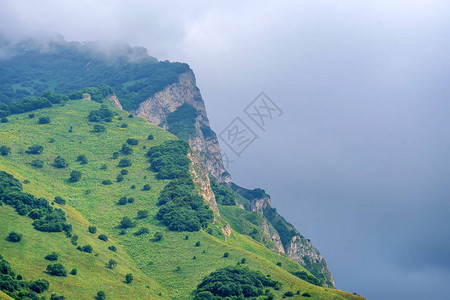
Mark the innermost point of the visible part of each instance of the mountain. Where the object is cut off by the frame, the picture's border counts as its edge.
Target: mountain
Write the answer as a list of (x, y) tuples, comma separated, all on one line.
[(105, 158)]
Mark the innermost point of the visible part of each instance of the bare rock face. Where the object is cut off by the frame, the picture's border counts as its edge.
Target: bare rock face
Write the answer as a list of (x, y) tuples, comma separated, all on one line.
[(115, 101), (200, 177), (302, 251), (298, 248), (157, 108)]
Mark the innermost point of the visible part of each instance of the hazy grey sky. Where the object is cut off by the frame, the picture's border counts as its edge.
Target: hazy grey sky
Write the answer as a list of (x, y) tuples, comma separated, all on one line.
[(359, 161)]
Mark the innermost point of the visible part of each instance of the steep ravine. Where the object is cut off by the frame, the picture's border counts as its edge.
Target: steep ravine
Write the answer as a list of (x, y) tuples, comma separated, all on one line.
[(157, 109)]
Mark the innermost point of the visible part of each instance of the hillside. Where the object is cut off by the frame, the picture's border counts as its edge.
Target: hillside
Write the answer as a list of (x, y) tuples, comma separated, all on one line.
[(168, 267)]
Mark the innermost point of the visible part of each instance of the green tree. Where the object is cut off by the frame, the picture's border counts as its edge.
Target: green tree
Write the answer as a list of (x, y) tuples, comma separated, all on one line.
[(5, 150), (129, 278), (75, 176), (56, 270), (14, 237), (60, 162)]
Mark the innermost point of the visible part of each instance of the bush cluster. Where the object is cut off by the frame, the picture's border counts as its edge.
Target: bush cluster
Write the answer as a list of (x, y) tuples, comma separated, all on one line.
[(17, 288), (45, 217), (169, 159), (102, 114), (233, 282), (223, 194)]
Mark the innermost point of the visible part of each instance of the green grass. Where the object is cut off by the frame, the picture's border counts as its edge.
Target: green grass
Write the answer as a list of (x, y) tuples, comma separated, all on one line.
[(153, 264)]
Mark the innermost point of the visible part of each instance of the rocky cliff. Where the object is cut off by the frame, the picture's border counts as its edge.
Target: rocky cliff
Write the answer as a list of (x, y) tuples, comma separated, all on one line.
[(157, 108), (291, 242)]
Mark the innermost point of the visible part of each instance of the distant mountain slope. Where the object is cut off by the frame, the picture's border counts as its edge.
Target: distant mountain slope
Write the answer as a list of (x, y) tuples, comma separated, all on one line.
[(169, 264)]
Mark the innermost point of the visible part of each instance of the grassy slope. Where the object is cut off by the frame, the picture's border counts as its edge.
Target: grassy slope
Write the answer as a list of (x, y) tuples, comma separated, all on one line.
[(89, 202)]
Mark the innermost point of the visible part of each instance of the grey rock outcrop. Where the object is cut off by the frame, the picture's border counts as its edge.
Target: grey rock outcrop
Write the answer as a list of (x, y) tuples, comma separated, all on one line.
[(158, 107)]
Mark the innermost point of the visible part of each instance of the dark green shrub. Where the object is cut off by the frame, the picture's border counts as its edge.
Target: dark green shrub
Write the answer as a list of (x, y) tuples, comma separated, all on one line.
[(120, 178), (126, 222), (124, 162), (198, 244), (133, 187), (123, 201), (111, 264), (146, 187), (124, 172), (243, 261), (14, 237), (39, 286), (130, 116), (75, 176), (74, 272), (107, 182), (87, 249), (5, 150), (4, 120), (289, 294), (141, 231), (104, 167), (56, 270), (132, 142), (128, 278), (102, 114), (306, 294), (31, 116), (115, 155), (57, 297), (112, 248), (82, 159), (124, 125), (226, 254), (35, 149), (19, 277), (74, 239), (103, 237), (131, 200), (52, 256), (126, 150), (158, 236), (99, 128), (92, 229), (44, 120), (37, 163), (51, 140), (100, 295), (142, 214), (279, 264), (150, 137), (60, 162), (60, 200)]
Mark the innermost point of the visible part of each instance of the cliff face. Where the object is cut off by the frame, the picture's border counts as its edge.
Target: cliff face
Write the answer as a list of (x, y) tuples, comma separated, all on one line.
[(157, 108), (292, 242), (200, 177)]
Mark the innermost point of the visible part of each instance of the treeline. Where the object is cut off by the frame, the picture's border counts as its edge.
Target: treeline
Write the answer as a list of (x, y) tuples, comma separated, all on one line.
[(45, 217), (182, 208), (48, 99), (71, 69)]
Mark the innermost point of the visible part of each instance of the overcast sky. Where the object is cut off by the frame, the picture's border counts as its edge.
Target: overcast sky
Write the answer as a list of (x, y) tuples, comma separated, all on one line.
[(359, 160)]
